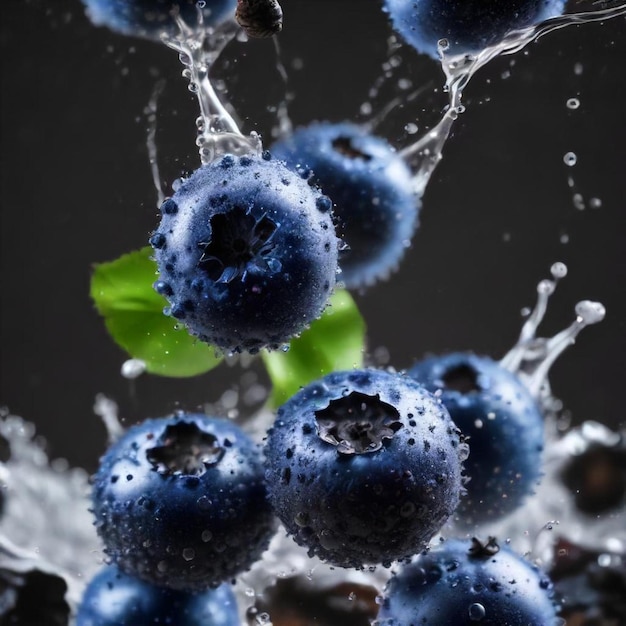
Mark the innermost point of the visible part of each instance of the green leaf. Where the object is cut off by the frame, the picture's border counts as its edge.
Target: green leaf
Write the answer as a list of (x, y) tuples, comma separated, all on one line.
[(333, 342), (133, 314)]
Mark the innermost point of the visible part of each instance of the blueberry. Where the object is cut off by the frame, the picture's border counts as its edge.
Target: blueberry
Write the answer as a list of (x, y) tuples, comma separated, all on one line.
[(371, 187), (113, 598), (150, 18), (363, 467), (249, 256), (469, 26), (466, 582), (182, 502), (503, 423)]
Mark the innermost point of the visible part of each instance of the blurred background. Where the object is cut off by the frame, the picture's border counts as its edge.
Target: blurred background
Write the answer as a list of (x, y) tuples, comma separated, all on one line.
[(76, 189)]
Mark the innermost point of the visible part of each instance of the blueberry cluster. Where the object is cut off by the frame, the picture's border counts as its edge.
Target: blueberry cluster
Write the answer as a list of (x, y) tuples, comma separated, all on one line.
[(362, 467)]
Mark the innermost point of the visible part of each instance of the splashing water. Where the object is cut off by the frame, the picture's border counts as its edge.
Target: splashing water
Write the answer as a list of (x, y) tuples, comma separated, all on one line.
[(424, 155), (46, 514), (532, 357), (47, 505), (218, 132)]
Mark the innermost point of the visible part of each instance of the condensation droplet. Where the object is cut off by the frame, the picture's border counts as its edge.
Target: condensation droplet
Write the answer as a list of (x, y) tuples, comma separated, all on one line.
[(569, 158), (133, 368), (579, 201), (558, 270), (476, 612)]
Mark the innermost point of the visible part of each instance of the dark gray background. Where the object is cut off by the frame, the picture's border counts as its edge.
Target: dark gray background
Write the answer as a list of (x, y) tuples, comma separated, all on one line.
[(76, 189)]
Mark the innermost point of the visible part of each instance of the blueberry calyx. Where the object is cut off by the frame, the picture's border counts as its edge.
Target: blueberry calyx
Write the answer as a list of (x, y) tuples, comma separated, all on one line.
[(237, 241), (345, 147), (357, 423), (483, 550), (185, 449), (462, 378)]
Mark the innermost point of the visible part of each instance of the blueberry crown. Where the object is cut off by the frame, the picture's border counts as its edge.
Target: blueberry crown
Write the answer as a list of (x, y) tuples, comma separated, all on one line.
[(483, 549), (462, 378), (183, 448), (357, 423), (237, 241)]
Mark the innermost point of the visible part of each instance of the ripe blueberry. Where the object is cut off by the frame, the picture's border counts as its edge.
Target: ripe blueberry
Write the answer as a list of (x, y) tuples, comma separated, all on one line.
[(181, 502), (466, 582), (503, 423), (467, 25), (150, 18), (371, 188), (247, 253), (113, 598), (363, 467)]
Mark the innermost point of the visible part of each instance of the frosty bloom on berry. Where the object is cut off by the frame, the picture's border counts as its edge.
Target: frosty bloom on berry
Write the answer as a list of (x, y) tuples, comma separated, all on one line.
[(247, 253), (363, 467), (181, 502)]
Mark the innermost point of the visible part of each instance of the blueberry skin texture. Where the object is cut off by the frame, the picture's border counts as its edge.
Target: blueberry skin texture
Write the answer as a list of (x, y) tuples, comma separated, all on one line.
[(505, 429), (113, 598), (371, 187), (374, 507), (149, 18), (469, 25), (449, 586), (247, 253), (181, 529)]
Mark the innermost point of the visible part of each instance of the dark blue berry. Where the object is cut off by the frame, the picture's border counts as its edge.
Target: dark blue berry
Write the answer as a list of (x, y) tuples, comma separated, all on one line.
[(363, 467), (150, 18), (463, 583), (261, 256), (468, 25), (181, 502), (113, 598), (372, 191), (503, 423)]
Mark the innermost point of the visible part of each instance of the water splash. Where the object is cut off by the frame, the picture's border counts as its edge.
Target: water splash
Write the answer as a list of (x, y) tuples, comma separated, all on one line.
[(107, 410), (424, 155), (151, 117), (46, 525), (532, 357), (218, 132), (535, 528)]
